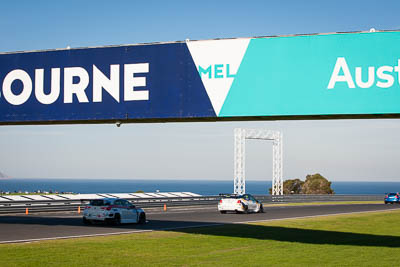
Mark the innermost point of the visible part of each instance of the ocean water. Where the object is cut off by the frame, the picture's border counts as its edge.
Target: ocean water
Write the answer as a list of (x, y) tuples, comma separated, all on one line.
[(203, 187)]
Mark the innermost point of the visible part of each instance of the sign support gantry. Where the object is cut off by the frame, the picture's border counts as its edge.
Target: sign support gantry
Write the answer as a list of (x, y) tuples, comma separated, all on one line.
[(240, 151)]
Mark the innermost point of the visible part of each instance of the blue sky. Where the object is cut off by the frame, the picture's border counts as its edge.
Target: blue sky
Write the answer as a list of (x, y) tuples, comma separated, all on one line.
[(340, 150), (29, 25)]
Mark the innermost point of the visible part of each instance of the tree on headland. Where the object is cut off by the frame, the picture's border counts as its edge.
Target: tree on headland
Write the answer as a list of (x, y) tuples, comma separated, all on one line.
[(314, 184), (293, 186), (317, 184)]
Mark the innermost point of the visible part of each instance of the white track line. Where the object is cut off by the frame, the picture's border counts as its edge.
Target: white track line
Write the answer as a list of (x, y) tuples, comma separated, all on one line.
[(186, 227), (108, 234), (71, 236)]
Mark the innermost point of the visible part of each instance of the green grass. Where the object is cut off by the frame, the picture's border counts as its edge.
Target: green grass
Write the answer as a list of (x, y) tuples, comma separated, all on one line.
[(368, 239), (324, 203)]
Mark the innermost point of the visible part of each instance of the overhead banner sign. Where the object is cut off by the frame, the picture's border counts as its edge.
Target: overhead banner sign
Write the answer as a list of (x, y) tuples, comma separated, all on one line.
[(310, 75)]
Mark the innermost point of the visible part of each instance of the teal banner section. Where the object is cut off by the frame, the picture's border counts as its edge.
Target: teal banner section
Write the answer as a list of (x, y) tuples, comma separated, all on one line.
[(354, 73)]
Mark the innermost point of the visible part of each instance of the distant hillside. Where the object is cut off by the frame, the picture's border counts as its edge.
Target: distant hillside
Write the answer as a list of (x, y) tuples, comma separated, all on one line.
[(3, 176)]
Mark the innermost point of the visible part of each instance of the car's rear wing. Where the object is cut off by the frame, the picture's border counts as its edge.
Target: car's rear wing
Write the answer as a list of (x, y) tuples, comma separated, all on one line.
[(228, 195)]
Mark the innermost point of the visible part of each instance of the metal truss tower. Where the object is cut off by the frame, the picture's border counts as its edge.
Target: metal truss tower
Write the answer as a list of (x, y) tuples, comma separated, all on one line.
[(240, 151)]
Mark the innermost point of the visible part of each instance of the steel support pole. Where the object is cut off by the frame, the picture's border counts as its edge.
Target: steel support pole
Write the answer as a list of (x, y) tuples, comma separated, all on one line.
[(239, 179), (239, 158)]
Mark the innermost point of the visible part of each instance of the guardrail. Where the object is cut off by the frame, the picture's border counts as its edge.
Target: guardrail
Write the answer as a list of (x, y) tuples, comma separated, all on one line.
[(73, 205), (316, 198)]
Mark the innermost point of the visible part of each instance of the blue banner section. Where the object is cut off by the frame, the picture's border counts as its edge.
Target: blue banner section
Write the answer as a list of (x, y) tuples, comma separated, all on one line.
[(351, 74), (157, 81)]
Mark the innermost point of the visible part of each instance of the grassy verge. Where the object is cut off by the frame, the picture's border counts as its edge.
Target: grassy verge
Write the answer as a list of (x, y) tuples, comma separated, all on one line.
[(324, 203), (369, 239)]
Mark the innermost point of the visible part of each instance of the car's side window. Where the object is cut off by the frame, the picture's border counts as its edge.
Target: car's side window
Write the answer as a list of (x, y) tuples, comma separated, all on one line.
[(118, 202)]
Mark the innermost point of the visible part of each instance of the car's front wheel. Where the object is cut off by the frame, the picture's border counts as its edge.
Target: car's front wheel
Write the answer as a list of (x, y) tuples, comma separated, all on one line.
[(261, 210), (142, 218), (223, 211), (245, 209)]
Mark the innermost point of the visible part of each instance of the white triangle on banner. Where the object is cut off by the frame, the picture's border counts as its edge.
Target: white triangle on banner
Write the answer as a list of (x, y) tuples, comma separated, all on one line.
[(217, 62)]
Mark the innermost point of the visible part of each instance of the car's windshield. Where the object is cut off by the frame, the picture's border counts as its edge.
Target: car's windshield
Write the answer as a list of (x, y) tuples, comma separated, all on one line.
[(100, 202), (392, 194)]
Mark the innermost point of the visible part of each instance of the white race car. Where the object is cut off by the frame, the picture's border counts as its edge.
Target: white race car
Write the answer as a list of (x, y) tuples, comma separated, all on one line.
[(113, 211), (239, 203)]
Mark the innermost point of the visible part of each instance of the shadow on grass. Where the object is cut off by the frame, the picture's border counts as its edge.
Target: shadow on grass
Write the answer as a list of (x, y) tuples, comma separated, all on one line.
[(277, 233), (11, 225)]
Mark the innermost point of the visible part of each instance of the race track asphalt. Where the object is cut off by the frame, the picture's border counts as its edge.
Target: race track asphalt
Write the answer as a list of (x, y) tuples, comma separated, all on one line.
[(41, 226)]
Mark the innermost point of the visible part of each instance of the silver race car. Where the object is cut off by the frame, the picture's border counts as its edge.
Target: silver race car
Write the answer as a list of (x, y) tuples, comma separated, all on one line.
[(239, 203)]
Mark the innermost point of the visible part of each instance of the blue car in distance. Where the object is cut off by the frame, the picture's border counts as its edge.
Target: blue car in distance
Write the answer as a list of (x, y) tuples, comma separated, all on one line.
[(392, 198)]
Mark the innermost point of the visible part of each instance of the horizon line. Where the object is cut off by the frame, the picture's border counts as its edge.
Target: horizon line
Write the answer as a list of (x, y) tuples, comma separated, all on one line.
[(178, 179)]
